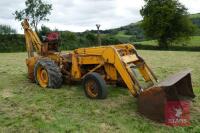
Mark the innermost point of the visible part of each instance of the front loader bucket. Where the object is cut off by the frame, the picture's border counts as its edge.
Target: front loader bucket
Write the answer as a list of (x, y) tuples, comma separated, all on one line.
[(152, 101)]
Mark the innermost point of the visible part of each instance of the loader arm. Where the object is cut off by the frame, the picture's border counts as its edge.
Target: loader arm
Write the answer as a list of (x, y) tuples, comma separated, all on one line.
[(125, 59), (122, 58), (32, 39)]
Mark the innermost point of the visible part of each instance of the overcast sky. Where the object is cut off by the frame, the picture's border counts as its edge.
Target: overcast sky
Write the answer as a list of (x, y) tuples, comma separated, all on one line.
[(80, 15)]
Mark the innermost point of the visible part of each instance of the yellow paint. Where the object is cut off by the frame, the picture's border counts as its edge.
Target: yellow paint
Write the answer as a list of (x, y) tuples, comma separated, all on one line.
[(82, 59), (42, 76), (111, 71), (75, 71), (129, 58)]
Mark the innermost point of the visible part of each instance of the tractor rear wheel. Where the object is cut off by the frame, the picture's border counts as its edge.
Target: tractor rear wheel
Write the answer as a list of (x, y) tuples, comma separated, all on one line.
[(95, 86), (47, 74)]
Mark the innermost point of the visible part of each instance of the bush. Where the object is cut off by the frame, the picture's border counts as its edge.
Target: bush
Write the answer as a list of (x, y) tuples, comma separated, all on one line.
[(12, 43)]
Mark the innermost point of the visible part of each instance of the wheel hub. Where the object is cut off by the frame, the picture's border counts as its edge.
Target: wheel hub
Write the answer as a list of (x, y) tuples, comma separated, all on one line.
[(92, 88), (42, 76)]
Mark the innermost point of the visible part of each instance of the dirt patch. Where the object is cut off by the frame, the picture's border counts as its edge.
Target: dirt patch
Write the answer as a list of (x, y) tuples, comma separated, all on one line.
[(5, 93), (105, 127), (115, 102)]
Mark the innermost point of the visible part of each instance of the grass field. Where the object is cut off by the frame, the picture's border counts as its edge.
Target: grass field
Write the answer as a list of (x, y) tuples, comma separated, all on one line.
[(193, 42), (25, 107)]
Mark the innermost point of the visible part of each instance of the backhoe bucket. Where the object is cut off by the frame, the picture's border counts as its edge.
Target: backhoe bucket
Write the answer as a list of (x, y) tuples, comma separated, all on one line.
[(152, 101)]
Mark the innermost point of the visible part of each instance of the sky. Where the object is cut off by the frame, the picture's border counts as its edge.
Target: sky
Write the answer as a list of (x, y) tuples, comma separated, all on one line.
[(81, 15)]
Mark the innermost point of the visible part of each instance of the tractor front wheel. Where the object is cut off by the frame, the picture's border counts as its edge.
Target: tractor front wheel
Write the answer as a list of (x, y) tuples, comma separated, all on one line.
[(95, 86), (47, 74)]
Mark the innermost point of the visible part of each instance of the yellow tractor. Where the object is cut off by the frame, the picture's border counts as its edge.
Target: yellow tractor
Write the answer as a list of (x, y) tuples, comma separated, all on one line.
[(98, 66)]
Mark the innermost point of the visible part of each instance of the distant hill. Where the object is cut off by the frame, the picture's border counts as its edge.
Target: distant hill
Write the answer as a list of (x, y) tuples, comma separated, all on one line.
[(133, 31)]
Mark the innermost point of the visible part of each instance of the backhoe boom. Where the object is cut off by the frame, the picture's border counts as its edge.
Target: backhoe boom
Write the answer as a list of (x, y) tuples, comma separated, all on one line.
[(32, 39)]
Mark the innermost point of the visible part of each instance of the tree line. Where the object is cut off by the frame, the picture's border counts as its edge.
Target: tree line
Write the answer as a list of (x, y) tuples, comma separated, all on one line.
[(13, 42), (166, 21)]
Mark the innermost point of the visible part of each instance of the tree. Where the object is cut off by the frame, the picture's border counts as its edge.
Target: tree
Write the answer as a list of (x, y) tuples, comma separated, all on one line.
[(92, 39), (44, 30), (6, 29), (166, 20), (36, 10)]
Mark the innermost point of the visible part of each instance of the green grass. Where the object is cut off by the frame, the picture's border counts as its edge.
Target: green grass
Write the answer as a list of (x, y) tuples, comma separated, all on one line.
[(197, 15), (150, 42), (25, 107), (122, 35), (193, 42)]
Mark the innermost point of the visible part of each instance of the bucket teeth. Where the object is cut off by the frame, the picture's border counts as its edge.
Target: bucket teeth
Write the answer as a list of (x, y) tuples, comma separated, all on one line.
[(151, 102)]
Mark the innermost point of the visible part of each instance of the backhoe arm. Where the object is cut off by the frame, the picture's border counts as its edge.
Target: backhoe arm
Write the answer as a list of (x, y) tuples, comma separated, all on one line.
[(32, 39)]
